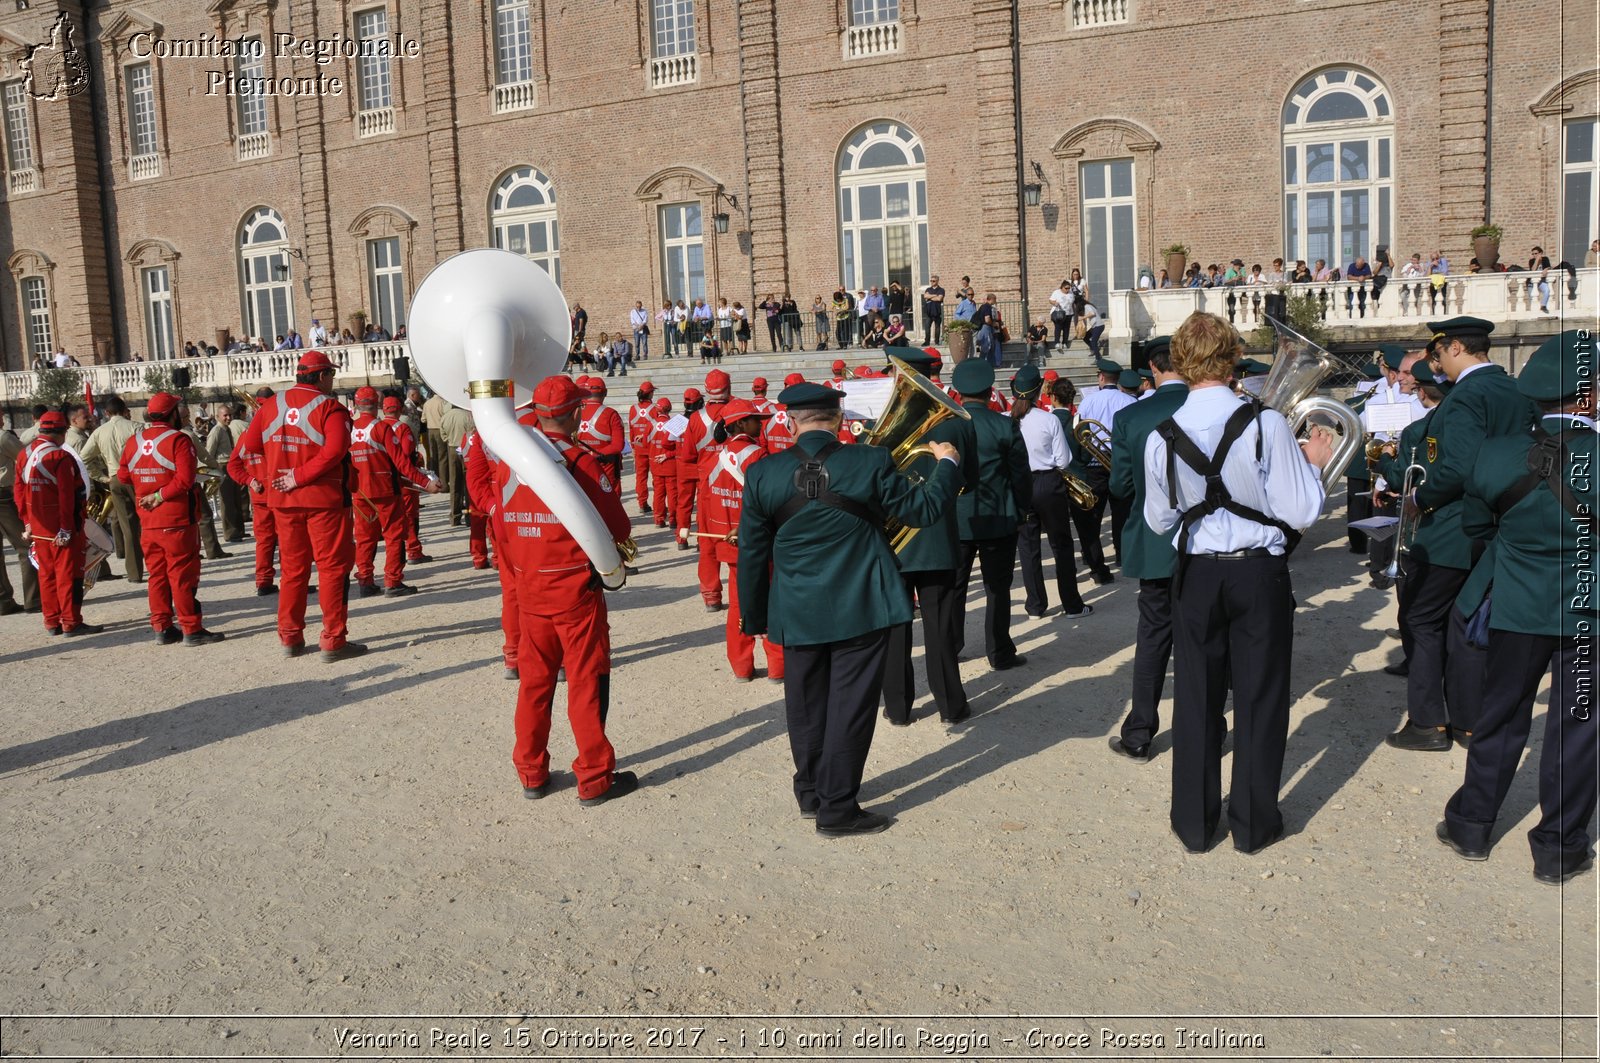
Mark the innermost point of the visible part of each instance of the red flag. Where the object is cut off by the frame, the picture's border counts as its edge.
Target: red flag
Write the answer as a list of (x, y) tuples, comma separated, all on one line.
[(88, 397)]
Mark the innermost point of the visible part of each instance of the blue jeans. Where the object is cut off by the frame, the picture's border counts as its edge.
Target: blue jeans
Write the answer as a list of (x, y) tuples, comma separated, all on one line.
[(989, 346), (1092, 338), (641, 342)]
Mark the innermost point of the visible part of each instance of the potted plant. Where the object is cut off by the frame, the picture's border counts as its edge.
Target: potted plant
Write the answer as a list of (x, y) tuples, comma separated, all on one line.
[(1177, 256), (958, 334), (1486, 245), (358, 324)]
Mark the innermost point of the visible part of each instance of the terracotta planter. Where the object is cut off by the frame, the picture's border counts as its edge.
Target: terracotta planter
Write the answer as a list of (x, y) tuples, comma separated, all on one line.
[(1487, 251), (960, 345), (1176, 264)]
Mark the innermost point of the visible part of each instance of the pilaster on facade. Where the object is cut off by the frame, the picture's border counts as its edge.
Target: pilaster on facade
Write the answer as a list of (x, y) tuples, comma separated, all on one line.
[(311, 132), (763, 145), (997, 149), (1463, 122), (439, 107)]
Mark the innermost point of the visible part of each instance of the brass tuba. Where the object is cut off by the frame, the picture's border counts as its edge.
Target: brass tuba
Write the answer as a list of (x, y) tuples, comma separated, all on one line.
[(1290, 388), (915, 408)]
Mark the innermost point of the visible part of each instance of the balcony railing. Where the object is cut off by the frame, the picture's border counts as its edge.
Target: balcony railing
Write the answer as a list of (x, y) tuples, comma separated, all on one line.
[(517, 96), (669, 70), (22, 181), (1088, 14), (878, 38), (1499, 297), (144, 167), (254, 146), (375, 122)]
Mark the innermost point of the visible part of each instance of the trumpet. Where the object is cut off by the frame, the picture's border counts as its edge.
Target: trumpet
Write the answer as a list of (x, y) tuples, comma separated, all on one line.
[(1406, 531), (1095, 438)]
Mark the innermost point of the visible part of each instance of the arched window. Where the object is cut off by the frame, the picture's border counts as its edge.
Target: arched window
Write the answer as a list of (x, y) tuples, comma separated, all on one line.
[(265, 274), (1338, 168), (523, 218), (883, 208)]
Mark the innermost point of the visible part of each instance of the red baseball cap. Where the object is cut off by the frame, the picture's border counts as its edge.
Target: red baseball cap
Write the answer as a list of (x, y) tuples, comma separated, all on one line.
[(53, 421), (662, 405), (691, 394), (838, 365), (718, 385), (593, 385), (392, 404), (759, 385), (737, 409), (556, 396), (647, 386), (313, 362), (161, 404), (365, 395), (1051, 374), (794, 378)]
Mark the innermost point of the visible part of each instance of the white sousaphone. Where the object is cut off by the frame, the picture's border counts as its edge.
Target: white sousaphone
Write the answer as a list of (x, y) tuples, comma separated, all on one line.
[(488, 323)]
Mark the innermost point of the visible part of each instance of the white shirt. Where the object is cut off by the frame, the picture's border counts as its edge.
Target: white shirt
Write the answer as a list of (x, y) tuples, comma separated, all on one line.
[(1469, 370), (1091, 316), (319, 336), (1046, 441), (1062, 300), (1282, 485), (638, 317), (1102, 405)]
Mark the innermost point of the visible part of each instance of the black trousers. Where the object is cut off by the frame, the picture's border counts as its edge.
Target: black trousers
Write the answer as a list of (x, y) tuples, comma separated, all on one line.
[(1357, 506), (1567, 786), (1052, 513), (830, 694), (936, 594), (932, 326), (998, 561), (1063, 330), (1430, 594), (1239, 613), (1152, 649), (1087, 522), (844, 331), (1120, 508), (775, 332)]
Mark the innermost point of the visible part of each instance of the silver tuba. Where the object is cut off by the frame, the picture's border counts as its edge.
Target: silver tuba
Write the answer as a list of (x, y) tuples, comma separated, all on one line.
[(486, 323), (1290, 388)]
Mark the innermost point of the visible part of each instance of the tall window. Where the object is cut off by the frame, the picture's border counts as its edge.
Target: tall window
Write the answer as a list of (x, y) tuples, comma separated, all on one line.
[(1580, 182), (883, 208), (251, 65), (1108, 226), (142, 141), (513, 42), (683, 252), (388, 283), (523, 217), (265, 275), (873, 12), (376, 90), (672, 23), (18, 130), (1338, 169), (36, 305), (157, 285)]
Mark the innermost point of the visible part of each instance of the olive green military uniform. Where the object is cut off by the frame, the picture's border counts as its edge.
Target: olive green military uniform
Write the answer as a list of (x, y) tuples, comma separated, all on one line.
[(13, 531)]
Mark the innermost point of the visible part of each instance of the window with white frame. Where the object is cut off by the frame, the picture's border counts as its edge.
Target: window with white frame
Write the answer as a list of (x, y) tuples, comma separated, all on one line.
[(265, 275), (251, 68), (1580, 184), (672, 25), (18, 128), (874, 12), (513, 42), (142, 138), (1109, 225), (36, 308), (156, 283), (374, 86), (386, 277), (683, 252), (523, 218), (1338, 168), (883, 208)]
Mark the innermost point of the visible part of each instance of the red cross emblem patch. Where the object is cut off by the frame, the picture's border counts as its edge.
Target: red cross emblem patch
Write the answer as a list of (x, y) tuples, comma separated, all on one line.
[(147, 447), (292, 417)]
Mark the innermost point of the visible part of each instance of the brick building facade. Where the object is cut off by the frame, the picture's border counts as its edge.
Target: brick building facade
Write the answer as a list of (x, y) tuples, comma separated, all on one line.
[(872, 139)]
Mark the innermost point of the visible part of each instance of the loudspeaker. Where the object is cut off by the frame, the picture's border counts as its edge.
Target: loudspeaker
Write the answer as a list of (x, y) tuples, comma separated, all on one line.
[(402, 368), (180, 377)]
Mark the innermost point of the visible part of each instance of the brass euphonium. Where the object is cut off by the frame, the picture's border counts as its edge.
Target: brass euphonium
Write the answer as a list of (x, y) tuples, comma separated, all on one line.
[(99, 506), (1290, 388), (914, 409)]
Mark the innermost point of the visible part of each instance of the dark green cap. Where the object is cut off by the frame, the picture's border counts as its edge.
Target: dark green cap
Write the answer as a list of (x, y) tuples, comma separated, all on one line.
[(1147, 374), (1251, 367), (919, 359), (1391, 354), (1371, 371), (975, 376), (1156, 344), (1561, 368), (1106, 365), (1128, 379), (1461, 326), (810, 396), (1027, 381)]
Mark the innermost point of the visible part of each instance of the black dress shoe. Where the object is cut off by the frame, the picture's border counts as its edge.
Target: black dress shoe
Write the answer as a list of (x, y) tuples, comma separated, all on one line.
[(203, 638), (1273, 838), (399, 590), (1442, 832), (419, 559), (217, 555), (896, 723), (533, 793), (84, 629), (1122, 749), (367, 590), (1104, 576), (52, 631), (265, 589), (8, 608), (345, 652), (168, 637), (863, 822), (1382, 582), (1420, 739), (956, 722), (1557, 872), (1401, 669), (623, 783), (1005, 663), (808, 813), (1039, 616)]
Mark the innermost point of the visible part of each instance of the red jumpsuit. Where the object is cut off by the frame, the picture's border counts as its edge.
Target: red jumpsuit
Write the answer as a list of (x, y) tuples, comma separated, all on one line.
[(380, 466), (51, 491), (245, 469), (482, 467), (721, 503), (600, 429), (664, 466), (696, 451), (562, 609), (410, 501), (777, 434), (303, 430), (158, 458), (477, 516), (640, 422)]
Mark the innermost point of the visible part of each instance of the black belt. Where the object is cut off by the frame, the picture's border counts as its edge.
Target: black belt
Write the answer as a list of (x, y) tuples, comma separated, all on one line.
[(1238, 555)]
